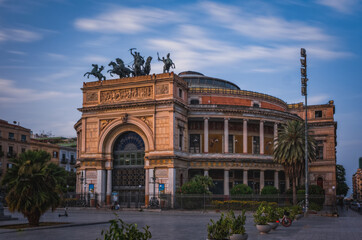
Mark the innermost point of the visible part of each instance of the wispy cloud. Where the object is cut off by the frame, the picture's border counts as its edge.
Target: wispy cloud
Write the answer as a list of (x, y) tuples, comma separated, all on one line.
[(194, 47), (9, 93), (56, 56), (126, 20), (259, 26), (319, 99), (16, 52), (18, 35), (95, 59), (343, 6)]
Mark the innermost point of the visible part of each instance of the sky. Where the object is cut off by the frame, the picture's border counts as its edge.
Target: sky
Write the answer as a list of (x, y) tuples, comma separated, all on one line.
[(47, 45)]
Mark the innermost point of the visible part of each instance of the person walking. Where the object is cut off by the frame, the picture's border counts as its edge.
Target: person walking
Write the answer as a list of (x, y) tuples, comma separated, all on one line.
[(358, 207)]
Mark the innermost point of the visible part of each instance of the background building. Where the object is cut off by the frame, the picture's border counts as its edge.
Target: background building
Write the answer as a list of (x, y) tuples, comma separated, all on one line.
[(357, 182), (173, 127), (15, 140)]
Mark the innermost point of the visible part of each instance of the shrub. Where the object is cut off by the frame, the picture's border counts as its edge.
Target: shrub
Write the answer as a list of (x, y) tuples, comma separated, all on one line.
[(261, 216), (269, 190), (236, 224), (314, 206), (241, 189), (218, 230), (125, 231)]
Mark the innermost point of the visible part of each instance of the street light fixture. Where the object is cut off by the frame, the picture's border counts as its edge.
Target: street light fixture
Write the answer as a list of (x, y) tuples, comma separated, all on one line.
[(304, 80)]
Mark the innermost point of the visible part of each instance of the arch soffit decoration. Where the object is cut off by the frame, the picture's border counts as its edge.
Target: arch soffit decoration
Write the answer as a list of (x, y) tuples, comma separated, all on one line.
[(118, 126)]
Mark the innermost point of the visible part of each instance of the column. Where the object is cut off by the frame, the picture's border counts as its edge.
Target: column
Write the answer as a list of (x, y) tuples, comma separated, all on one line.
[(147, 186), (101, 185), (206, 172), (275, 133), (261, 180), (245, 177), (226, 183), (226, 135), (261, 138), (109, 186), (276, 179), (206, 135), (287, 183), (152, 189), (172, 184), (245, 136)]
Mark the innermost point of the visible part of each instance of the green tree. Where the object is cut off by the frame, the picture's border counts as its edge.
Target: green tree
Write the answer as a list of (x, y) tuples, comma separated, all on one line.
[(342, 187), (289, 151), (197, 185), (33, 185), (241, 189)]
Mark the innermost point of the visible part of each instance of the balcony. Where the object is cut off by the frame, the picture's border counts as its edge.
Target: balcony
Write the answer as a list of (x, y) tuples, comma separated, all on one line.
[(64, 161), (72, 162)]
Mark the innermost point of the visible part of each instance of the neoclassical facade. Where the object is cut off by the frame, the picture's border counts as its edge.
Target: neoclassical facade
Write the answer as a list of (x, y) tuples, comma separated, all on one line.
[(169, 128)]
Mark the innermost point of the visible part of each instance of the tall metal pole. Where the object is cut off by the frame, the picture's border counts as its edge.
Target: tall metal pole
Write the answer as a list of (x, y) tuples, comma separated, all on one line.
[(306, 159), (304, 81)]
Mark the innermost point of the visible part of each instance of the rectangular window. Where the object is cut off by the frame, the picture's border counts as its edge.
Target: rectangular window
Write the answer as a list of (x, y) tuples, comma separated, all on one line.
[(63, 157), (11, 149), (181, 138), (231, 144), (11, 136), (23, 138), (256, 145), (319, 150), (23, 150), (194, 143), (180, 92), (1, 134), (194, 101), (318, 114), (55, 154)]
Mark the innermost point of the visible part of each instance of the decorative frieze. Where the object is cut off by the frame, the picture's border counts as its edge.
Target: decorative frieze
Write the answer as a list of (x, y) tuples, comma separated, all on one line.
[(120, 95)]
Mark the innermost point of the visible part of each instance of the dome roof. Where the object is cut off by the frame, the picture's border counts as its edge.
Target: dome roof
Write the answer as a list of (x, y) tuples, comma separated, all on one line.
[(199, 80)]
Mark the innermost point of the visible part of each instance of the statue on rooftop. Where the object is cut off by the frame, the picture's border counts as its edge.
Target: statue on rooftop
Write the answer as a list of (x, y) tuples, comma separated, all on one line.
[(137, 63), (120, 69), (96, 72), (167, 63)]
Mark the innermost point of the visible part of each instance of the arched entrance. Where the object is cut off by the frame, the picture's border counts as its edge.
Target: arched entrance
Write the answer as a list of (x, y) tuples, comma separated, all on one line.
[(128, 175)]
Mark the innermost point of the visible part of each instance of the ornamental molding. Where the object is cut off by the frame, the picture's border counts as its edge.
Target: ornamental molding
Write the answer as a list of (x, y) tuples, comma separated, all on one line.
[(104, 123), (126, 94)]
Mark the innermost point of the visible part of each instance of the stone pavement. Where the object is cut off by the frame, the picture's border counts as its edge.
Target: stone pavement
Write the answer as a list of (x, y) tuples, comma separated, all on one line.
[(180, 225)]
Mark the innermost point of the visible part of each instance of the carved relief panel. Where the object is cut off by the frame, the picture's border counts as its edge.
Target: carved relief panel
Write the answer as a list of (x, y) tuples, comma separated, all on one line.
[(120, 95), (162, 89)]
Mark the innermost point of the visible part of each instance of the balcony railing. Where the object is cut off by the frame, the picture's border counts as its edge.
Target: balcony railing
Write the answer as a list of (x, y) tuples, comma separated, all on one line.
[(64, 161)]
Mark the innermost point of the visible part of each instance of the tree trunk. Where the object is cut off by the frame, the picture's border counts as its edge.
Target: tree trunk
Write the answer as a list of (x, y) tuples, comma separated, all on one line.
[(33, 218), (294, 191)]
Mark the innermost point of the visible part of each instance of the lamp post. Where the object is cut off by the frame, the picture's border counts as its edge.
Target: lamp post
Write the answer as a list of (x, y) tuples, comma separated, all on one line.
[(304, 80)]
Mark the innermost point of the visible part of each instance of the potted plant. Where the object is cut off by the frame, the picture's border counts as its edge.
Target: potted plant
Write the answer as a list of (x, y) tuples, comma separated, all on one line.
[(236, 226), (273, 217), (218, 230), (261, 219)]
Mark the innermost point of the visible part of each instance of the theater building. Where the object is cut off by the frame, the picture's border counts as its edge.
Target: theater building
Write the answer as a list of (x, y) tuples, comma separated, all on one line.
[(173, 127)]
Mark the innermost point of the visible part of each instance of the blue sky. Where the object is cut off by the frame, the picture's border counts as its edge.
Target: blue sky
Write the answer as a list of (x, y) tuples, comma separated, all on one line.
[(47, 45)]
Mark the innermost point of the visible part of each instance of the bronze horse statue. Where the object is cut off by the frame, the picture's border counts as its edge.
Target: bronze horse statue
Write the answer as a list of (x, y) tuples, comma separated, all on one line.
[(147, 67), (120, 69), (96, 72)]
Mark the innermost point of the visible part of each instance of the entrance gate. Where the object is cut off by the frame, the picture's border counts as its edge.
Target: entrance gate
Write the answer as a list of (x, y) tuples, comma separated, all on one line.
[(128, 175)]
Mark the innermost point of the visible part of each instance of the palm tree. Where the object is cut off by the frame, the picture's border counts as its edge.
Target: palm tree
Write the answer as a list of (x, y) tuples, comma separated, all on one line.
[(33, 185), (289, 151)]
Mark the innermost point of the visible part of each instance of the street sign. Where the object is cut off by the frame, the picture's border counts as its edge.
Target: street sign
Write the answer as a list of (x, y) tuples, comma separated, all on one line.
[(161, 187)]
